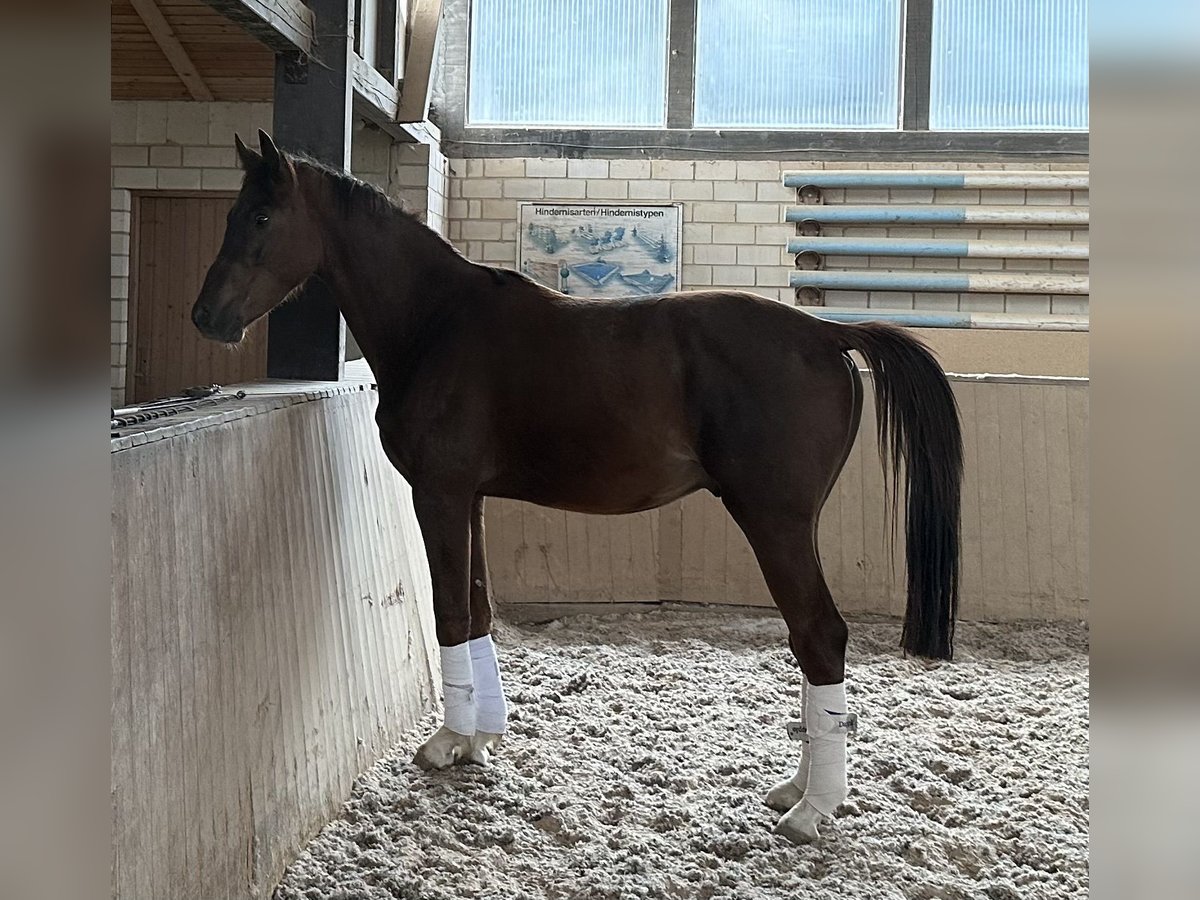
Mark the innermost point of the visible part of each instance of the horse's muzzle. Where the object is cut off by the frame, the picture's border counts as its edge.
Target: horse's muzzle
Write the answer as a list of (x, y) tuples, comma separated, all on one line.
[(213, 328)]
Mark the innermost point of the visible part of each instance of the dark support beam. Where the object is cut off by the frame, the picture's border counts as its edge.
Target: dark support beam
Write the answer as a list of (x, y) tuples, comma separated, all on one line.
[(164, 35), (286, 26), (313, 103), (681, 63), (918, 29), (424, 19)]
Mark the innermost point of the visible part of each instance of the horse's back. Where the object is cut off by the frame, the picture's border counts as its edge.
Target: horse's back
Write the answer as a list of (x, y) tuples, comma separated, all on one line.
[(685, 350)]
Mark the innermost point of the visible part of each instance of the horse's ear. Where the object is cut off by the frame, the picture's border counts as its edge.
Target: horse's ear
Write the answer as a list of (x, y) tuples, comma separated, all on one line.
[(249, 159), (271, 156)]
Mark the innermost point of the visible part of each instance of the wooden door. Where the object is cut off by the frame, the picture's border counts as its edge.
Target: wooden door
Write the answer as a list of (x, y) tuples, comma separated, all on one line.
[(176, 238)]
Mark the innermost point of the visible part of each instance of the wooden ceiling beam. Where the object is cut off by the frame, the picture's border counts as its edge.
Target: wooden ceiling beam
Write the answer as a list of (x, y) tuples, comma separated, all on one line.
[(286, 26), (424, 18), (160, 29)]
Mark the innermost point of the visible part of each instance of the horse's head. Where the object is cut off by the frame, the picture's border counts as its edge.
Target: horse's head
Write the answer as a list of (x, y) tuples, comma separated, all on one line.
[(272, 244)]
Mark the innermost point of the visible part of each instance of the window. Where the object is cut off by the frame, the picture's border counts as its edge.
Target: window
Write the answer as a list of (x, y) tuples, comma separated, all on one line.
[(1017, 66), (568, 63), (750, 76), (798, 64)]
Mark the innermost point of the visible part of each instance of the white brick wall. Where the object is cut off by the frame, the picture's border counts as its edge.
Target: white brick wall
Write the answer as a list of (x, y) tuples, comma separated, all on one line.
[(180, 145), (734, 234), (161, 145)]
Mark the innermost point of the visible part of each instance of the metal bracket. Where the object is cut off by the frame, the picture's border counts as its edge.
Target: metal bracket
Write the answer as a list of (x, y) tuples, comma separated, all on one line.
[(809, 260), (810, 195), (295, 69), (810, 296)]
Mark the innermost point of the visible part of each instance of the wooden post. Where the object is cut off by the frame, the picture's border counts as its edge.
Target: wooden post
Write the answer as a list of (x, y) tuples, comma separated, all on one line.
[(307, 337), (424, 16)]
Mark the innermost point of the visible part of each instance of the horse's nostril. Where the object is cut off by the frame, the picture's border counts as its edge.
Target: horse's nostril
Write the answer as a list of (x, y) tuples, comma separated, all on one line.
[(200, 316)]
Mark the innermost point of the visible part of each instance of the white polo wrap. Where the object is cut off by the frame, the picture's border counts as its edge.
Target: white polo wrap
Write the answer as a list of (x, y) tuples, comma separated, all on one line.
[(827, 723), (800, 779), (458, 688), (489, 692)]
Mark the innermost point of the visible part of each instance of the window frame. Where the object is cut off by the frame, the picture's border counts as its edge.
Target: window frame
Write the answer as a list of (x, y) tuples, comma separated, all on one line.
[(680, 138), (928, 82), (898, 97), (466, 101)]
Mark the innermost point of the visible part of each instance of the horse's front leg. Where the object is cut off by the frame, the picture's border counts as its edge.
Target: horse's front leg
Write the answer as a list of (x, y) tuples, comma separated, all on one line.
[(445, 520), (491, 707)]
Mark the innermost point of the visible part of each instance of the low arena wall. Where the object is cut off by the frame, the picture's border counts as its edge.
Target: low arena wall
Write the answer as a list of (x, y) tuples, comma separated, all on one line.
[(1024, 525), (272, 635)]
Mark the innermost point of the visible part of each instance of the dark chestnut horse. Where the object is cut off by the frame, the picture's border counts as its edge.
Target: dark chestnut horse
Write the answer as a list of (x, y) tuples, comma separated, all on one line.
[(493, 386)]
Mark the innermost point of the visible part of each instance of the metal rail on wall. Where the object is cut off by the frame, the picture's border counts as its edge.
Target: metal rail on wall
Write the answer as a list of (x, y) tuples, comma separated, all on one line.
[(812, 247), (191, 400)]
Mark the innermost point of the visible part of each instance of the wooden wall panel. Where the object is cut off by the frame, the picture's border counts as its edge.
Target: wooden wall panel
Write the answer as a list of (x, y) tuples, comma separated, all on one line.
[(550, 556), (1024, 530), (176, 239), (272, 637)]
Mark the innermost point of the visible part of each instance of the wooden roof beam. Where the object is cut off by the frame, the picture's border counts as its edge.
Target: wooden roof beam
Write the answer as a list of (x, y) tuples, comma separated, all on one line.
[(164, 35), (424, 19), (286, 26)]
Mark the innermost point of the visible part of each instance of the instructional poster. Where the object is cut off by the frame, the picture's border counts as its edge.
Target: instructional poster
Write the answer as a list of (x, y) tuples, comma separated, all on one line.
[(601, 250)]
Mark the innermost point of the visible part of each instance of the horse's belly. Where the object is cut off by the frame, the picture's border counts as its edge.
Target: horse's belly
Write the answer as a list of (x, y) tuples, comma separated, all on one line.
[(606, 483)]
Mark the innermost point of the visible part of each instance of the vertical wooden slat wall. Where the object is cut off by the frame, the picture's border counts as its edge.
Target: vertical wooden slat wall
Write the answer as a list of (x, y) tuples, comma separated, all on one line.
[(272, 636), (177, 238), (1024, 530)]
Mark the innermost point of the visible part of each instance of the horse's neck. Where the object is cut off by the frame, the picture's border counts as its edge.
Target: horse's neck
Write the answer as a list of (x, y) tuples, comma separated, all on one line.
[(389, 275)]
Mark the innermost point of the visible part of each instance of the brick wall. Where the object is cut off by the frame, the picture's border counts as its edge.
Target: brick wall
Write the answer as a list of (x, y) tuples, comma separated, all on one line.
[(734, 234), (166, 145), (179, 145)]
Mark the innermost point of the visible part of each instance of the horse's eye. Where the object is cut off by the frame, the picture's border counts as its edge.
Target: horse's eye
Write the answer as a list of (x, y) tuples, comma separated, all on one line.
[(262, 219)]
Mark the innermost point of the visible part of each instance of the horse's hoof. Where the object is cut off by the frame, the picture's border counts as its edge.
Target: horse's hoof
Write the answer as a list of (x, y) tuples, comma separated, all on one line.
[(444, 749), (799, 825), (483, 746), (784, 796)]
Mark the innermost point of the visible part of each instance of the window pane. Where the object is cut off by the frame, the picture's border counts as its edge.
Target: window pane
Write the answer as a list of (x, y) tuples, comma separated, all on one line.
[(1019, 65), (798, 64), (568, 63)]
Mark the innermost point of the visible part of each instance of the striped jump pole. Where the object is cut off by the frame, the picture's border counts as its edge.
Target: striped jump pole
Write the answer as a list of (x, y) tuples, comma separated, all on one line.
[(942, 282), (875, 178), (940, 215), (950, 249), (916, 319)]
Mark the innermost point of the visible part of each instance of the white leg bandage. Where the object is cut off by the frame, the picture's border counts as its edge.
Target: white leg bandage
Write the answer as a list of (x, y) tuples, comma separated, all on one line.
[(800, 779), (458, 689), (828, 724), (489, 692)]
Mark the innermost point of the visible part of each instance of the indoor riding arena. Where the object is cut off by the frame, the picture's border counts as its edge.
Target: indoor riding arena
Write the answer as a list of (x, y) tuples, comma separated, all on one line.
[(595, 451)]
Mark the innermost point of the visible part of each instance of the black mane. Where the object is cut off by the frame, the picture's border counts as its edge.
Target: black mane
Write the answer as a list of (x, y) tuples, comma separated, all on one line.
[(353, 193)]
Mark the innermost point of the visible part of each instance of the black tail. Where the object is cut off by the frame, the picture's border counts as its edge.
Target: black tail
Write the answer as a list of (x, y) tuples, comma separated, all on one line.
[(918, 425)]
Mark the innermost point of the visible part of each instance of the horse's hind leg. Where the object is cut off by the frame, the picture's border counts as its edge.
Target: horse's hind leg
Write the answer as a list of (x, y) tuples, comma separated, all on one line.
[(491, 707), (784, 542)]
